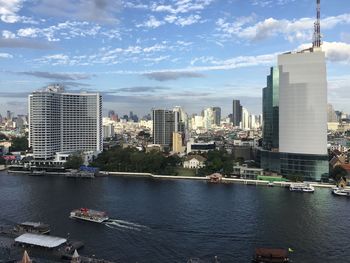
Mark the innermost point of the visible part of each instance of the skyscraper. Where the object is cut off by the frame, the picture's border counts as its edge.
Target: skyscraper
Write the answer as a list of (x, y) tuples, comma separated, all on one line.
[(271, 110), (236, 113), (64, 122), (217, 115), (165, 122), (300, 102)]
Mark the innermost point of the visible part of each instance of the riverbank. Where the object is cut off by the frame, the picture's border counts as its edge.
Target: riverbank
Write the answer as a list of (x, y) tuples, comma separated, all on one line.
[(223, 180)]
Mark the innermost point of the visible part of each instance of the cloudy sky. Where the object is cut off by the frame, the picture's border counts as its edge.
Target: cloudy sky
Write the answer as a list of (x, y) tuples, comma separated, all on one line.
[(141, 54)]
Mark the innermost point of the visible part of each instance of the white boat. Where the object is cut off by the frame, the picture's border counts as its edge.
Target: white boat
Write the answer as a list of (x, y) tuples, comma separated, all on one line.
[(89, 215), (341, 191), (301, 187)]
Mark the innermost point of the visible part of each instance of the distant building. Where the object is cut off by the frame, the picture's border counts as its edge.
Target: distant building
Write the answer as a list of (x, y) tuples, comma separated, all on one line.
[(194, 162), (236, 113), (60, 122), (165, 122), (200, 146), (245, 119), (331, 115), (108, 131), (178, 142), (217, 115)]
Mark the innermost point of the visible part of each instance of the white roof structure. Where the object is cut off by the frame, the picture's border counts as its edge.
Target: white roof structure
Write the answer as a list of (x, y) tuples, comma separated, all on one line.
[(41, 240)]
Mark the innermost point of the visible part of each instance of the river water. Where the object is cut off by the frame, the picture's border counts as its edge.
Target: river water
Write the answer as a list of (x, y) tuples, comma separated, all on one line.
[(174, 220)]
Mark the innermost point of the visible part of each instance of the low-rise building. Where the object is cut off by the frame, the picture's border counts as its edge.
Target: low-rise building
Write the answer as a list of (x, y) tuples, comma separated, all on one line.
[(194, 162), (247, 173)]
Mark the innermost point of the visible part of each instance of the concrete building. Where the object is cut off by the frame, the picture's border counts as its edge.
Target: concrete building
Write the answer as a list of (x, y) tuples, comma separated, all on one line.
[(165, 122), (60, 122), (236, 113), (178, 142), (217, 115), (331, 115), (194, 162), (108, 130), (245, 119), (302, 117)]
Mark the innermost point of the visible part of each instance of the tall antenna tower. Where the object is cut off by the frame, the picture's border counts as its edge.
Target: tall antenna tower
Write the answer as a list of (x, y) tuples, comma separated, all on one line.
[(317, 33)]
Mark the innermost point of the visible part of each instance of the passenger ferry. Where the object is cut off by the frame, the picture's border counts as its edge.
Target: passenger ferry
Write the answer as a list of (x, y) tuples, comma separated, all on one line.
[(89, 215), (301, 187), (341, 191)]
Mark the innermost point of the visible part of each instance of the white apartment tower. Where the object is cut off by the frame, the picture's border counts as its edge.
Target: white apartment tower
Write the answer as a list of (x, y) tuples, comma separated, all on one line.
[(64, 122)]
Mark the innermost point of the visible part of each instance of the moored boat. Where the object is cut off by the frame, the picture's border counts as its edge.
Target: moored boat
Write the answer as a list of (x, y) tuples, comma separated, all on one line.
[(341, 191), (270, 255), (89, 215), (301, 187), (32, 227)]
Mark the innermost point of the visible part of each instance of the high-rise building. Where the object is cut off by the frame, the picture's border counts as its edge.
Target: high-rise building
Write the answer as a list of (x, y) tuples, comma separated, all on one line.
[(271, 111), (331, 115), (302, 113), (245, 119), (64, 122), (164, 124), (108, 130), (178, 142), (217, 115), (208, 118), (236, 113)]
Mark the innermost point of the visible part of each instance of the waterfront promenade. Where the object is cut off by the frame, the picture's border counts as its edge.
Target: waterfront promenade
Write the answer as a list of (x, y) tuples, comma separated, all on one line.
[(223, 180)]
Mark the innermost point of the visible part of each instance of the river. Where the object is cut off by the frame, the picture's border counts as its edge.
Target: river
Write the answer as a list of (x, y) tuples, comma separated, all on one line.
[(174, 220)]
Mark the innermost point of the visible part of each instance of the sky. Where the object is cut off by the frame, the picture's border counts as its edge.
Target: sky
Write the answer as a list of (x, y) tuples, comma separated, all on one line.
[(145, 54)]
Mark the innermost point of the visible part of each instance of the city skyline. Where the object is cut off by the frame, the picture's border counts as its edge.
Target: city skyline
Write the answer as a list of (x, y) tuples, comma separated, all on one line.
[(217, 51)]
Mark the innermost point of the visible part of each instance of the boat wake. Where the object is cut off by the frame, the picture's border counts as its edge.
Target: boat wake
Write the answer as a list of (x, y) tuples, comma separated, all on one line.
[(122, 224)]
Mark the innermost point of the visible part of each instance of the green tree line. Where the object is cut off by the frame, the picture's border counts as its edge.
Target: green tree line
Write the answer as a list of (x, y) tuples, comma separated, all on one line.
[(133, 160)]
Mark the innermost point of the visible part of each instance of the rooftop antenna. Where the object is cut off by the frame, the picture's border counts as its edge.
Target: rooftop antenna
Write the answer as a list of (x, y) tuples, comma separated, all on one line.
[(317, 33)]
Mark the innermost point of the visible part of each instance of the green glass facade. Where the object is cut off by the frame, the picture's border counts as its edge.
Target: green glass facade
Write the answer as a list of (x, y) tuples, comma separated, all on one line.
[(271, 110), (312, 167)]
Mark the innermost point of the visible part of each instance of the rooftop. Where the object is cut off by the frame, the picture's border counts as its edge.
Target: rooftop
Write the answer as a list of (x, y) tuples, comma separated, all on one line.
[(41, 240)]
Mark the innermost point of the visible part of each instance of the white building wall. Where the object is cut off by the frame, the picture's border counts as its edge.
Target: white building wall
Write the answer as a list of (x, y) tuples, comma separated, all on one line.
[(303, 103)]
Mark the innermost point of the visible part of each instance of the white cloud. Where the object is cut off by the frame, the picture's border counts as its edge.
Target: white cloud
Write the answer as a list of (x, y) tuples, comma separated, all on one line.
[(192, 19), (335, 51), (5, 55), (8, 34), (9, 9), (269, 3), (152, 22), (292, 30), (66, 30), (182, 6)]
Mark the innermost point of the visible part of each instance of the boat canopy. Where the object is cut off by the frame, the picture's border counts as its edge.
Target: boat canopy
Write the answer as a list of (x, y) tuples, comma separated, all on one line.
[(271, 253), (40, 240)]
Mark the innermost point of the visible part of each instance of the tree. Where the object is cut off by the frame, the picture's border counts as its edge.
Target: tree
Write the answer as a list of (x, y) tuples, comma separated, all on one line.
[(74, 161), (19, 144), (296, 177)]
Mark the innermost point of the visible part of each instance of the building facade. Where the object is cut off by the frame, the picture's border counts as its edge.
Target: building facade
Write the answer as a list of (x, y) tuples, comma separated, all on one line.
[(165, 122), (236, 113), (64, 122), (271, 111), (298, 107)]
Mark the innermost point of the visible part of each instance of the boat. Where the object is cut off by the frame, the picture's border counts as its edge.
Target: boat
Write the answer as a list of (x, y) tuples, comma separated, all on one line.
[(270, 255), (89, 215), (301, 187), (341, 191), (270, 184), (32, 227)]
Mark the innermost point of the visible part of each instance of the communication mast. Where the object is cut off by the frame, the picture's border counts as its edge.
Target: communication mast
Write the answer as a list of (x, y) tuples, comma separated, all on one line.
[(317, 33)]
